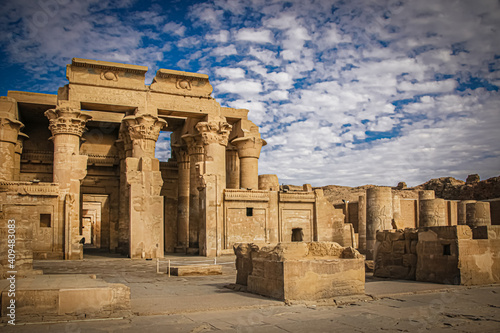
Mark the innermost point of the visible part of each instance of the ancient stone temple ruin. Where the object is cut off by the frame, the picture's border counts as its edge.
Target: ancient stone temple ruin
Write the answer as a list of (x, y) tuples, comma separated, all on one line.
[(79, 168)]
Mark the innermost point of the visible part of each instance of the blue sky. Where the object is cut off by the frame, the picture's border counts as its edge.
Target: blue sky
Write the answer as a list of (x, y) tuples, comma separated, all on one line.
[(345, 92)]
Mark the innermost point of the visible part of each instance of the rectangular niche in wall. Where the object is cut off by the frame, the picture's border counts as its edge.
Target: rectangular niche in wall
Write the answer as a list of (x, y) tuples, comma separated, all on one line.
[(45, 220)]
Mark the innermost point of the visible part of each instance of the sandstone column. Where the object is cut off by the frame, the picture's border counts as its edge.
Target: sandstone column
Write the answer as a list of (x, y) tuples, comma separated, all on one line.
[(19, 151), (432, 213), (124, 145), (196, 155), (461, 211), (9, 131), (70, 168), (249, 152), (232, 168), (183, 198), (478, 214), (144, 182), (212, 183), (362, 224), (378, 215)]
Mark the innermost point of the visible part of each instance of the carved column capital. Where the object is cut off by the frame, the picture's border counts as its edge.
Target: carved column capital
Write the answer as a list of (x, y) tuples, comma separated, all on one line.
[(20, 142), (67, 120), (144, 127), (194, 144), (214, 132), (9, 129), (249, 146)]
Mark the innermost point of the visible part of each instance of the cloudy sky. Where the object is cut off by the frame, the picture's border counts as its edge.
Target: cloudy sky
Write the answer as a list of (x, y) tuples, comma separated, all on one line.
[(345, 92)]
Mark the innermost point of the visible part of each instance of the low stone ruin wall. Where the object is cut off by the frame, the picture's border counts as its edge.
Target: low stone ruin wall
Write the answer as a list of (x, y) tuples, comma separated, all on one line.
[(396, 254), (302, 271), (447, 254)]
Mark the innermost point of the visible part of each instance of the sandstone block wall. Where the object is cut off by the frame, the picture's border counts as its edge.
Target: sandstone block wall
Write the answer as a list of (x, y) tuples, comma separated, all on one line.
[(445, 254), (396, 254), (301, 270)]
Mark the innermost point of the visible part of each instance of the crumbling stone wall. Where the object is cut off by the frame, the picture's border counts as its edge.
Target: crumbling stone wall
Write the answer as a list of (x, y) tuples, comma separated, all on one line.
[(396, 254), (300, 270)]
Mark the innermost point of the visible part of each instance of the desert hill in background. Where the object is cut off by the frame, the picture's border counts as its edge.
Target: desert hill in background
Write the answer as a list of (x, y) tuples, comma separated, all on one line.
[(447, 188)]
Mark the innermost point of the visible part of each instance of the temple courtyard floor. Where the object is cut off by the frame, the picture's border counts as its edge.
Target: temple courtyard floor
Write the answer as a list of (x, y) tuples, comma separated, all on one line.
[(162, 303)]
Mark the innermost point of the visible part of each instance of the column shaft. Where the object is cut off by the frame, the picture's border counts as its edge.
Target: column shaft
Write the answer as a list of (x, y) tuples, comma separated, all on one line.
[(378, 215)]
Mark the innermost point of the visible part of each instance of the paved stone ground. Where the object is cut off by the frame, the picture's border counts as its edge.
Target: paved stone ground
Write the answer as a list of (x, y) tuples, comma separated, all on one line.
[(202, 304)]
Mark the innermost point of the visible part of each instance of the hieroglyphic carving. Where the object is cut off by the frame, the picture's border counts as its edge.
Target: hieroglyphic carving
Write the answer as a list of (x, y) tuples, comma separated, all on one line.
[(246, 195)]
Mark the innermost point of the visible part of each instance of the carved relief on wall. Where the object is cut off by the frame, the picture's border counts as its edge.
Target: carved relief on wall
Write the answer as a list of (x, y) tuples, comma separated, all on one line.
[(109, 76)]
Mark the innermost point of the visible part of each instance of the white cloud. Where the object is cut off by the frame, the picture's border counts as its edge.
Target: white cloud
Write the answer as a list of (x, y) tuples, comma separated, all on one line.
[(260, 36), (230, 73)]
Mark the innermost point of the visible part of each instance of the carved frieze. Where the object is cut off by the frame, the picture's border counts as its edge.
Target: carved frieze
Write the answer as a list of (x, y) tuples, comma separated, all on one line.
[(67, 120), (297, 197), (245, 195), (29, 188)]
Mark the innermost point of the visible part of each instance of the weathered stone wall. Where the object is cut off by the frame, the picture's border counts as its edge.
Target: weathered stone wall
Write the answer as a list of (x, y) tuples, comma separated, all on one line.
[(443, 254), (396, 254), (301, 270)]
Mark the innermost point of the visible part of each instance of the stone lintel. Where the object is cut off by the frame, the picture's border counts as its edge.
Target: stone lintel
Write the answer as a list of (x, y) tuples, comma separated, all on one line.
[(297, 197), (33, 98), (181, 83), (233, 114), (106, 74)]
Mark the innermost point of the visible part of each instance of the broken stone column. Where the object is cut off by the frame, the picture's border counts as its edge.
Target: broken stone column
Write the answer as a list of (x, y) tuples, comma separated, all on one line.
[(183, 198), (362, 224), (69, 169), (269, 183), (211, 183), (9, 130), (196, 155), (478, 214), (432, 213), (144, 182), (232, 168), (249, 153), (462, 213), (396, 211), (378, 215)]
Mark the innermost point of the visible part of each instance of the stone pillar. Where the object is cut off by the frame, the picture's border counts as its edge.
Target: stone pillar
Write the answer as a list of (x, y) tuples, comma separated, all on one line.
[(397, 222), (212, 183), (362, 224), (232, 168), (144, 182), (17, 158), (183, 198), (124, 145), (461, 211), (249, 153), (432, 213), (9, 131), (378, 215), (478, 213), (69, 169), (196, 155)]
